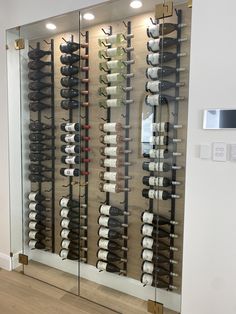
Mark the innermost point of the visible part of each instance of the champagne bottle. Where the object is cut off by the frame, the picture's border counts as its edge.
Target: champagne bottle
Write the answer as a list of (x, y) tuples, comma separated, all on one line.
[(36, 197), (39, 137), (39, 178), (157, 100), (111, 211), (39, 157), (70, 245), (36, 54), (110, 234), (72, 255), (158, 86), (158, 44), (37, 86), (155, 219), (36, 235), (149, 280), (115, 39), (39, 168), (69, 81), (70, 138), (34, 225), (116, 65), (110, 245), (69, 70), (151, 244), (36, 216), (160, 153), (35, 147), (69, 93), (108, 53), (111, 127), (70, 47), (157, 73), (37, 96), (163, 140), (69, 172), (66, 202), (68, 224), (70, 235), (111, 188), (112, 103), (159, 166), (109, 222), (111, 268), (38, 64), (70, 160), (69, 213), (111, 91), (70, 127), (148, 255), (38, 126), (69, 104), (38, 106), (109, 257), (151, 268), (36, 245), (38, 75), (156, 59), (158, 195), (112, 151), (36, 207), (70, 149), (112, 78), (69, 59), (150, 231), (157, 30)]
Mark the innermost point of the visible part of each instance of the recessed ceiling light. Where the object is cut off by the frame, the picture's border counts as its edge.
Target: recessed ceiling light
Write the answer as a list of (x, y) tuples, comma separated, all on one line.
[(51, 26), (88, 16), (136, 4)]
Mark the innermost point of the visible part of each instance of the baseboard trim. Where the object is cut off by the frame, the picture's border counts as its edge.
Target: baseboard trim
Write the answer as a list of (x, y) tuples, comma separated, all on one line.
[(5, 262)]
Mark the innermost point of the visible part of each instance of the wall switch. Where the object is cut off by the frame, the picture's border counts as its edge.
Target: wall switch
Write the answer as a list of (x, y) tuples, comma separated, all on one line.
[(233, 152), (219, 151), (205, 151)]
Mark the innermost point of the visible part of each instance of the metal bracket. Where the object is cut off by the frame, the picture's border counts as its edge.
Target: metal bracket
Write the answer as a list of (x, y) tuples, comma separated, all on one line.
[(23, 259), (19, 44), (155, 308), (190, 3), (164, 10)]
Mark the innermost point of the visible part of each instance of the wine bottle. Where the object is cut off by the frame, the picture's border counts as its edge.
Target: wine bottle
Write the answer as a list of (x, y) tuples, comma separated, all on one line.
[(69, 93), (108, 53), (148, 255), (39, 168), (109, 257), (155, 219), (70, 138), (36, 96), (151, 244), (112, 78), (111, 188), (165, 127), (69, 70), (110, 234), (38, 106), (37, 86), (68, 224), (69, 172), (36, 54), (38, 64), (115, 39), (38, 126), (35, 147), (110, 245), (36, 197), (158, 100), (149, 280), (36, 245), (70, 47), (39, 137), (69, 81), (70, 160), (111, 268), (70, 235), (69, 104), (157, 30), (39, 178), (66, 202), (113, 91), (70, 149), (36, 207), (160, 153), (158, 44), (111, 211), (112, 151), (36, 216), (159, 166), (150, 231), (158, 195), (66, 254), (156, 59), (151, 268), (111, 127), (113, 139), (69, 59), (38, 75), (110, 163), (39, 157), (111, 176), (158, 86), (116, 65), (109, 222), (36, 235), (163, 140), (70, 127), (34, 225), (69, 213), (112, 103), (159, 181), (70, 245), (157, 73)]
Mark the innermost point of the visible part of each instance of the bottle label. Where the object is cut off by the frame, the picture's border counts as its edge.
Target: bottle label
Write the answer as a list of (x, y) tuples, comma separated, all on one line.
[(147, 243), (160, 166), (105, 209), (152, 181), (113, 102), (64, 202), (65, 244), (113, 77), (64, 254), (70, 138), (153, 86), (110, 151), (148, 217), (152, 153), (110, 188), (109, 127), (65, 233), (102, 254), (65, 223), (32, 244), (70, 160), (69, 172), (147, 230), (159, 181), (152, 73), (103, 244), (103, 221), (32, 206), (103, 232), (110, 139), (147, 255), (148, 267), (154, 31), (64, 212), (32, 225), (32, 215), (113, 64), (32, 235), (151, 194), (70, 127), (161, 126), (110, 176), (101, 265), (32, 196), (159, 195), (147, 279), (110, 163), (152, 166), (70, 149), (153, 59), (112, 52), (111, 90), (154, 45), (153, 100)]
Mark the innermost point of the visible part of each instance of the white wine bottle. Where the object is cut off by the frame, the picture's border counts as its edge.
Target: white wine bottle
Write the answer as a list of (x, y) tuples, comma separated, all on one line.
[(116, 65), (112, 78), (113, 103), (113, 139), (111, 188), (117, 91), (157, 30), (113, 151), (117, 52), (111, 127), (115, 39)]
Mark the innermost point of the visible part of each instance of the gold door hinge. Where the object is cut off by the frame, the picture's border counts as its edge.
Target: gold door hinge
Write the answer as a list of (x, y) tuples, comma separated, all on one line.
[(190, 3), (164, 10), (155, 308), (23, 259), (19, 44)]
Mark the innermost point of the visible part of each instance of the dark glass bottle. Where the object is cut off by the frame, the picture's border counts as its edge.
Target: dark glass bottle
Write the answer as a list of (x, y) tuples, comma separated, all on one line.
[(110, 245), (33, 244), (69, 70), (37, 86), (36, 197), (38, 106), (37, 96), (38, 64), (38, 126), (111, 268), (69, 59), (37, 147), (109, 256), (39, 168), (39, 178), (110, 222), (69, 104), (111, 210), (66, 202), (69, 47), (70, 149), (39, 157), (157, 100), (38, 75), (70, 160), (69, 93), (69, 81), (36, 54), (110, 234), (70, 127), (39, 137)]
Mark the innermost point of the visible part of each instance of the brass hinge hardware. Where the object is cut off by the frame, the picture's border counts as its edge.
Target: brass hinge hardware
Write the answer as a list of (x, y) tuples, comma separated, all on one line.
[(190, 3), (155, 308), (19, 44), (23, 259), (164, 10)]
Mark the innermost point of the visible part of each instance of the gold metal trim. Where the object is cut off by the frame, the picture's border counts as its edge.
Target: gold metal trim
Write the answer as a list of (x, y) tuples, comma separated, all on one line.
[(155, 308), (190, 3), (164, 10), (23, 259), (19, 44)]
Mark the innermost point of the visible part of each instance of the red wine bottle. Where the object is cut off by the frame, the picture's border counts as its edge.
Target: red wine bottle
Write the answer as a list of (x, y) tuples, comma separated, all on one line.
[(67, 254), (69, 104), (33, 244), (69, 47), (111, 268), (39, 157), (37, 147), (36, 235), (70, 160), (111, 210), (162, 153), (155, 45), (159, 166), (69, 213), (34, 225), (150, 280), (39, 178), (36, 197), (37, 207), (110, 245), (156, 59), (68, 224), (155, 219), (158, 30), (37, 96), (69, 81), (109, 257), (69, 70), (69, 172), (159, 100), (69, 93), (37, 86), (38, 106), (110, 222), (39, 137), (155, 87), (157, 73), (38, 64), (151, 268), (70, 149), (157, 181), (70, 138), (151, 231), (69, 59), (36, 54), (38, 126), (110, 234), (152, 244), (148, 255), (158, 195), (70, 127), (39, 168), (70, 245), (38, 75), (70, 235), (66, 202)]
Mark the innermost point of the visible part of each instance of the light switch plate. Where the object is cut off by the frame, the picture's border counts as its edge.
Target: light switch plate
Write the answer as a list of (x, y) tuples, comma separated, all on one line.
[(220, 152), (205, 151)]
